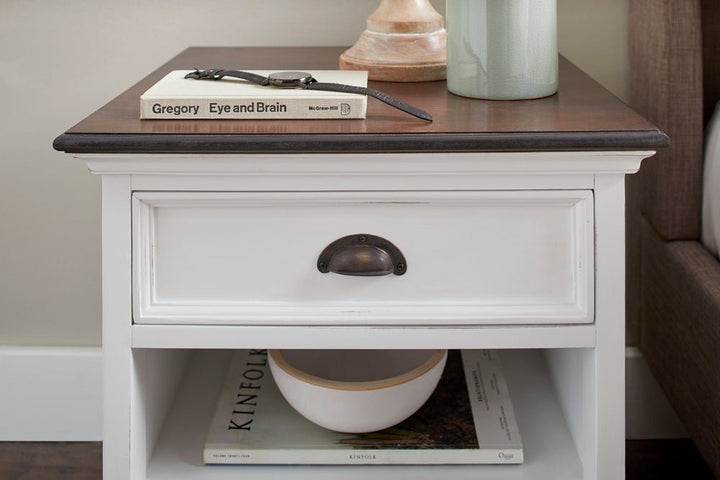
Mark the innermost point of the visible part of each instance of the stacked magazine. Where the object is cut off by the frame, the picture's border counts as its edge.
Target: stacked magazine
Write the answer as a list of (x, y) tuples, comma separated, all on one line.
[(469, 419)]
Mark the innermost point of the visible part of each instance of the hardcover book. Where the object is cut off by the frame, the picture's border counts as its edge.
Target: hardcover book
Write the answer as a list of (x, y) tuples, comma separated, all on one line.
[(469, 419), (175, 97)]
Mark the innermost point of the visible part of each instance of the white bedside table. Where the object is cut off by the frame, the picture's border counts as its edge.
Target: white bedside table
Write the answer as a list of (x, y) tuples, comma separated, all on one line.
[(510, 216)]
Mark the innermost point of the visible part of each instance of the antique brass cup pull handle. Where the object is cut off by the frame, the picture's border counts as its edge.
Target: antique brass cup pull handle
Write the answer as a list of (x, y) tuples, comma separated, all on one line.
[(362, 255)]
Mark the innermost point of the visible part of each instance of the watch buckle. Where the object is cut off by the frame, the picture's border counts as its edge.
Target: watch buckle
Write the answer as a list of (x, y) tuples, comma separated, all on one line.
[(212, 74)]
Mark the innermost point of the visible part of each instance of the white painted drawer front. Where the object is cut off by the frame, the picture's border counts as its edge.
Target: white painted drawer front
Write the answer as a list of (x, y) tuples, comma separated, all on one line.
[(508, 257)]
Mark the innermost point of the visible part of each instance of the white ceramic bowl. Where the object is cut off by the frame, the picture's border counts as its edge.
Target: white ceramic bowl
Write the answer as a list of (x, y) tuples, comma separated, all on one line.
[(357, 391)]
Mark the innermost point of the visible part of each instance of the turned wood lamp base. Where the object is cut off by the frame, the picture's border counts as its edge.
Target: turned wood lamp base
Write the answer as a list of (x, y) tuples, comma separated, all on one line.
[(405, 41)]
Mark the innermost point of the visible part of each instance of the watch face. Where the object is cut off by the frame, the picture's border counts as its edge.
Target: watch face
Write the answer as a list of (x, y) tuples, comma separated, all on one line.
[(289, 79)]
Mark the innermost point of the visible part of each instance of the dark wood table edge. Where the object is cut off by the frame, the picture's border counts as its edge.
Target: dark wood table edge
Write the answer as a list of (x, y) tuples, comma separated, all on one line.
[(365, 143)]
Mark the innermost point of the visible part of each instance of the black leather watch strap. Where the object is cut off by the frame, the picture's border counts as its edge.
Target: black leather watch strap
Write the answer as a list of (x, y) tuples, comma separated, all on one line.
[(383, 97), (217, 74), (310, 83)]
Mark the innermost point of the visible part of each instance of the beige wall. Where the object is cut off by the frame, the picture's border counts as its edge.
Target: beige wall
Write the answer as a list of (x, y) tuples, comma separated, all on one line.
[(62, 60), (593, 35)]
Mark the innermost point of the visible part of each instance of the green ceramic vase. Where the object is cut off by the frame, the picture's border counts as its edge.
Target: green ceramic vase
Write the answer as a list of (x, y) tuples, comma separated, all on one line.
[(502, 49)]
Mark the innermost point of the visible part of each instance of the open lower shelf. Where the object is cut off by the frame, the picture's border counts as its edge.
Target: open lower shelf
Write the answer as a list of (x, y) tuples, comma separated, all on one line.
[(549, 449)]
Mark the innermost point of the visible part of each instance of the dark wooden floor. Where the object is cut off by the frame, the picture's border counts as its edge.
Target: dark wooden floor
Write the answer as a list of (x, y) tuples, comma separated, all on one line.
[(646, 460), (50, 461), (664, 459)]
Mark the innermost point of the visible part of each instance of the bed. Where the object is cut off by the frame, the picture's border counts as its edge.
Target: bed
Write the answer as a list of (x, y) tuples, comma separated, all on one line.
[(673, 279)]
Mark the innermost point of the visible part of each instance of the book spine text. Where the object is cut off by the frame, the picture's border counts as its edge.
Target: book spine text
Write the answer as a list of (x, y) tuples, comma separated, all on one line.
[(173, 109)]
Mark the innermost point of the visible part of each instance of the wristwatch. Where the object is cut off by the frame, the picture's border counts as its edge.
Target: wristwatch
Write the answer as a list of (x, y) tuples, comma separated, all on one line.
[(306, 81)]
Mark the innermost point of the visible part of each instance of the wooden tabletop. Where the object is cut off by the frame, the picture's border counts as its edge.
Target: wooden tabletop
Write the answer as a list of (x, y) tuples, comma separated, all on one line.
[(581, 116)]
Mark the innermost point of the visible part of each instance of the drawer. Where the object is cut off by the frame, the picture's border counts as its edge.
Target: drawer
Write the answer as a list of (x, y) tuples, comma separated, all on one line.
[(470, 257)]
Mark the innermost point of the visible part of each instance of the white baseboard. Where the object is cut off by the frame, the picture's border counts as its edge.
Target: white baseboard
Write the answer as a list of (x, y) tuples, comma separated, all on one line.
[(55, 394), (50, 393), (648, 413)]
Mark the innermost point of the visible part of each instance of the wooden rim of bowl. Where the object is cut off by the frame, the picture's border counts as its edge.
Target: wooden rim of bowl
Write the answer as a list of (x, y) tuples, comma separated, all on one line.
[(416, 372)]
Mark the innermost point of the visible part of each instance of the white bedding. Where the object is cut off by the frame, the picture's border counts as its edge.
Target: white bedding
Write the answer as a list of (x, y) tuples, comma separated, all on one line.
[(710, 236)]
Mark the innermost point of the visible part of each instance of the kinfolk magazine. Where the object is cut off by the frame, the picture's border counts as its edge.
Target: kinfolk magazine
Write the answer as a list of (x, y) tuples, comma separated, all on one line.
[(253, 424)]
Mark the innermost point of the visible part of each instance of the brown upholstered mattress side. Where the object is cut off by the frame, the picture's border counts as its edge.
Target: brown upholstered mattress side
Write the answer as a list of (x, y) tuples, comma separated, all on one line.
[(680, 337)]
